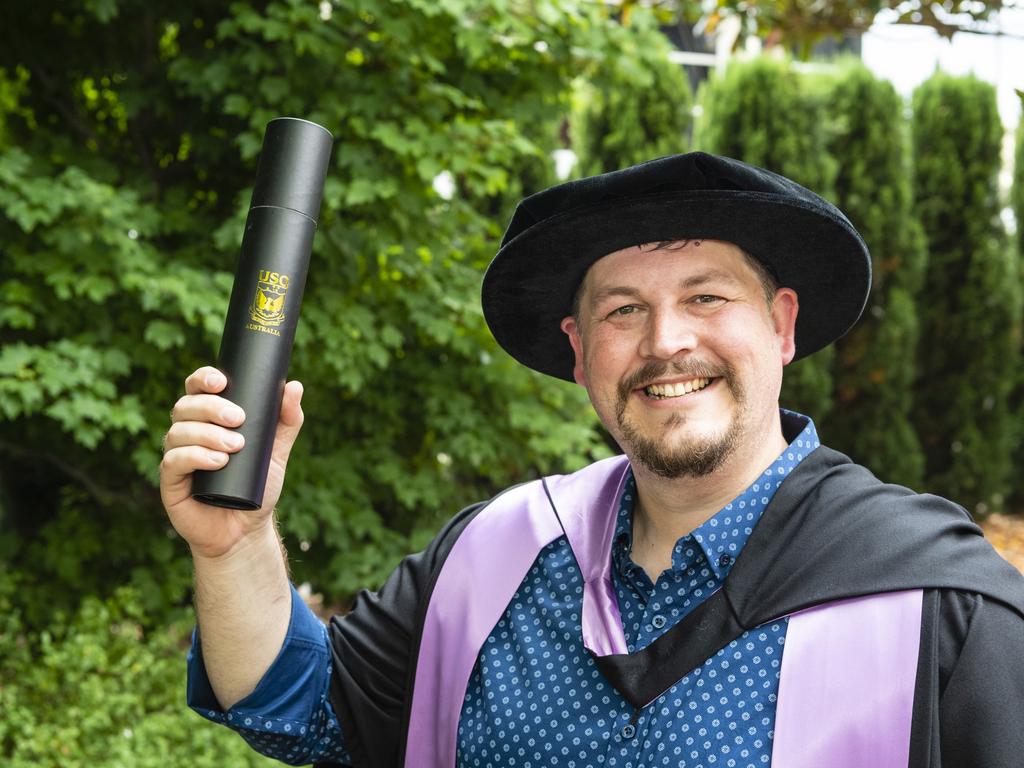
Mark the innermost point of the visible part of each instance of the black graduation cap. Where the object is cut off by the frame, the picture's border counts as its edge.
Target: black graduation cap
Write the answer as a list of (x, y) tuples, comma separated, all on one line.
[(555, 235)]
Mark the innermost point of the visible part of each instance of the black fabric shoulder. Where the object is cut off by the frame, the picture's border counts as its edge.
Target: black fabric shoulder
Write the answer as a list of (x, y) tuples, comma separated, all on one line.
[(981, 710), (373, 648), (946, 620), (834, 531), (958, 610)]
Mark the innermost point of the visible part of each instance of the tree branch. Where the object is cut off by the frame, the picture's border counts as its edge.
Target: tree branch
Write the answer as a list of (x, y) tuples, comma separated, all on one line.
[(70, 115), (104, 496)]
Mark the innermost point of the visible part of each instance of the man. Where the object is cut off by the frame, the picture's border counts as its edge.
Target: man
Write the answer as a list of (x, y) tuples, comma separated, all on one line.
[(728, 593)]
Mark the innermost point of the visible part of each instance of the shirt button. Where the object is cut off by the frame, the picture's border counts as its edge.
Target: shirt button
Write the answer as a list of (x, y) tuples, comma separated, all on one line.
[(724, 560), (628, 731), (658, 621)]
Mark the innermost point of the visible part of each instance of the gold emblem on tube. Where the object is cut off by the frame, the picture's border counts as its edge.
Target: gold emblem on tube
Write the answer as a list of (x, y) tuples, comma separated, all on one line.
[(267, 308)]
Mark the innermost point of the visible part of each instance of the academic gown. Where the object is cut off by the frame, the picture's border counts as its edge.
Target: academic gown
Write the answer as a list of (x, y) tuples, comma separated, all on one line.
[(832, 531)]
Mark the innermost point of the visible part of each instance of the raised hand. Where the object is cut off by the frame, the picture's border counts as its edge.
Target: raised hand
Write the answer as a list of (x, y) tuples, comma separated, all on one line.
[(201, 437)]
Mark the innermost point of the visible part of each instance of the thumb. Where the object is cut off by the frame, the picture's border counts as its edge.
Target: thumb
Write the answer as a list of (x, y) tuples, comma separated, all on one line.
[(291, 405), (291, 419)]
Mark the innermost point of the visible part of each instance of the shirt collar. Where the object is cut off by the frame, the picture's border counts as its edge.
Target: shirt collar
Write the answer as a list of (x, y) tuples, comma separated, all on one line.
[(721, 538)]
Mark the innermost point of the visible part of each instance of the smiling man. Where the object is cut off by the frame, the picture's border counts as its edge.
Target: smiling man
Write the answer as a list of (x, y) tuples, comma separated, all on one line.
[(729, 592), (681, 347)]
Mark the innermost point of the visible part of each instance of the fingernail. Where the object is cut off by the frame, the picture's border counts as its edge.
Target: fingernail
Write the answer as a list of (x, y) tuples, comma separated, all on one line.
[(218, 456), (233, 440), (231, 414), (213, 380)]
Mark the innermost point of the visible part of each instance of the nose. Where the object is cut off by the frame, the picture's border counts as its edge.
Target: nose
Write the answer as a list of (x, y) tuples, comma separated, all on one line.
[(668, 334)]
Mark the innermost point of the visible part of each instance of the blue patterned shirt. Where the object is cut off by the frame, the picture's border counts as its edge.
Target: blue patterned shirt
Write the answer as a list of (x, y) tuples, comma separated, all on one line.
[(535, 696)]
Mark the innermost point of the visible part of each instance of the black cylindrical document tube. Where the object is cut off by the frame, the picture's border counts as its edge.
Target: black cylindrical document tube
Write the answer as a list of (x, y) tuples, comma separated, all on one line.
[(264, 308)]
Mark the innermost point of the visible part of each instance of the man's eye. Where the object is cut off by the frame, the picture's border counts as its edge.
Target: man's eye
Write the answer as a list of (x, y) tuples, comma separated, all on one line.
[(629, 309), (708, 299)]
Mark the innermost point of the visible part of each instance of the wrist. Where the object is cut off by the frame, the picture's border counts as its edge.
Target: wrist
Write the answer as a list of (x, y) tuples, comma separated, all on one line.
[(258, 544)]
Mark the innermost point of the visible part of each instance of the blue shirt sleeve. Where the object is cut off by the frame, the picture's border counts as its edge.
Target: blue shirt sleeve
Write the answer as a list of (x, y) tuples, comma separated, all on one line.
[(288, 716)]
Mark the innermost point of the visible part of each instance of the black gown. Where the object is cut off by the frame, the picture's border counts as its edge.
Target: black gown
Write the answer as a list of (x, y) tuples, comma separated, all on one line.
[(832, 531)]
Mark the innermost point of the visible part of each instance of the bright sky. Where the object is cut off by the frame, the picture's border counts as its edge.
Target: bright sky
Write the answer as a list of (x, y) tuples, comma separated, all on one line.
[(907, 55)]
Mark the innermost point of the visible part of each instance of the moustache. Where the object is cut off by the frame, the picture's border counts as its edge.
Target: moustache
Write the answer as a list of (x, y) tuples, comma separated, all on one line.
[(650, 372)]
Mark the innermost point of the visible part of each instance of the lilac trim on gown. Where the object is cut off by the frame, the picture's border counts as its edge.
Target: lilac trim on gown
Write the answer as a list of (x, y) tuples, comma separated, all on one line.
[(846, 695), (455, 631)]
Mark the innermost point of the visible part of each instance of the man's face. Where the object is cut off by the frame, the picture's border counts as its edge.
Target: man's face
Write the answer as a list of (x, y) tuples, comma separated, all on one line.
[(681, 355)]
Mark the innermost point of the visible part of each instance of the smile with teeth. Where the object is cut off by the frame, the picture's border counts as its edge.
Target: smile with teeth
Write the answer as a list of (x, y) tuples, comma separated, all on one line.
[(664, 391)]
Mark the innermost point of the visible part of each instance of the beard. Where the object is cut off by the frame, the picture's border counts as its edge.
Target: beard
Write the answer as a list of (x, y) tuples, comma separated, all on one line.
[(694, 457)]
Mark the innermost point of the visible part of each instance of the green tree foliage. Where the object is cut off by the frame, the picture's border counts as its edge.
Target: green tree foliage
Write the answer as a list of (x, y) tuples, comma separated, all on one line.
[(100, 689), (130, 134), (633, 107), (761, 112), (970, 320), (800, 24), (875, 362)]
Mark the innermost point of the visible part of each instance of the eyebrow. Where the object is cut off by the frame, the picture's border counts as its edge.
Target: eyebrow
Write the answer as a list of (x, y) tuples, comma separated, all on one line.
[(618, 290), (694, 281), (710, 276)]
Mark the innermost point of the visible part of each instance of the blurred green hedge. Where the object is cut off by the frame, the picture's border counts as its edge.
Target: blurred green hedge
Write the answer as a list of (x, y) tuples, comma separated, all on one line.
[(970, 312), (99, 688)]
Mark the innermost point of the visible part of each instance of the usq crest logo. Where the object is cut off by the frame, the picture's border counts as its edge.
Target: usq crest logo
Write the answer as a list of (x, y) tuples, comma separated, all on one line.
[(267, 308)]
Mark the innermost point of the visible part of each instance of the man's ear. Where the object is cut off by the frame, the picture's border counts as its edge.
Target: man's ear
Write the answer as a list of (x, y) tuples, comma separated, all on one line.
[(571, 329), (784, 311)]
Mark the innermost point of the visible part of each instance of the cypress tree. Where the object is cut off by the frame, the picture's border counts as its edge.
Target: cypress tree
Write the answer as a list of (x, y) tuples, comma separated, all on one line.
[(875, 362), (760, 112), (633, 106), (1018, 185), (1017, 204), (971, 296)]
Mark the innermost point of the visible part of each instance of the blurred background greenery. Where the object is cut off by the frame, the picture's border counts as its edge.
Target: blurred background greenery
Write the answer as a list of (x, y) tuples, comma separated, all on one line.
[(129, 133)]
